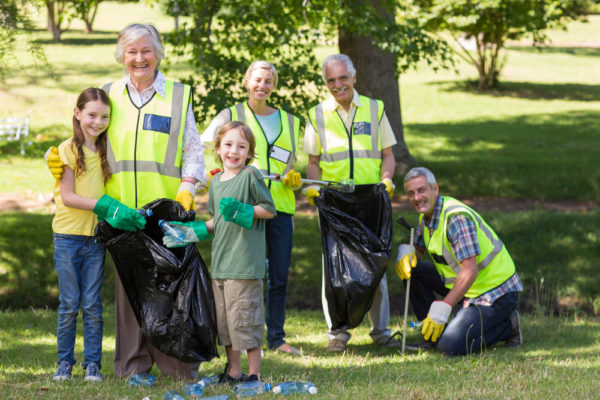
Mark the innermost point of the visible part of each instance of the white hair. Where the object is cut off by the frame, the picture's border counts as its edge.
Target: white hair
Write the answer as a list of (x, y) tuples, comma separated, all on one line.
[(339, 58), (264, 65), (420, 171), (133, 32)]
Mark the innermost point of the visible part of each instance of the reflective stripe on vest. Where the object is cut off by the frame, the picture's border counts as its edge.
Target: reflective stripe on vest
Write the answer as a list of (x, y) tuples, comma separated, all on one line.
[(350, 155), (144, 144), (494, 263), (283, 197)]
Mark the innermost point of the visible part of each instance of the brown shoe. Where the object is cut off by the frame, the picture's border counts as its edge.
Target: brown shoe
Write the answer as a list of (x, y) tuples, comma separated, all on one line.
[(516, 336), (336, 346)]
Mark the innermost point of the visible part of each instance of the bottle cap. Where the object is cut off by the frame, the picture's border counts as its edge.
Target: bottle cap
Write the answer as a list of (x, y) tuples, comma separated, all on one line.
[(312, 390)]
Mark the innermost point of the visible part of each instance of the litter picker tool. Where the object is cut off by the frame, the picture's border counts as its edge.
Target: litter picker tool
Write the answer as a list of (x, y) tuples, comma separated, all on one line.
[(346, 185), (405, 224)]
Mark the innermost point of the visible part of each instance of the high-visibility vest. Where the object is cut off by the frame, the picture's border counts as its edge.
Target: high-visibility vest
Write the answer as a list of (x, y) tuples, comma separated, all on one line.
[(276, 158), (495, 265), (144, 144), (350, 155)]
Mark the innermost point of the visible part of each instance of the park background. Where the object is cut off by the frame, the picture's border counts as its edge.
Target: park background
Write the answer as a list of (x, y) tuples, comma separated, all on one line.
[(524, 154)]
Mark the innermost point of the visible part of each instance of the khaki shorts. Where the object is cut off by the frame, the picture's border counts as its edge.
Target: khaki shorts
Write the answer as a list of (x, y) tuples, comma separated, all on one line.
[(240, 315)]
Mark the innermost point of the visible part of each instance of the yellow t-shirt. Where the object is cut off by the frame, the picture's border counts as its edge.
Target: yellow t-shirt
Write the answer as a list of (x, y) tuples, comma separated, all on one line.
[(73, 221)]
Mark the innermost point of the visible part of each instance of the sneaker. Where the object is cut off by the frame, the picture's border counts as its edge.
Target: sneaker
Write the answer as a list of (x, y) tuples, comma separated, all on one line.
[(389, 341), (228, 379), (515, 339), (63, 372), (92, 373), (336, 346), (252, 378), (420, 346)]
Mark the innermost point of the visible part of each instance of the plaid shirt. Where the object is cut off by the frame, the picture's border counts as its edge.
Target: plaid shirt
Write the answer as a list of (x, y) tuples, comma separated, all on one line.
[(462, 236)]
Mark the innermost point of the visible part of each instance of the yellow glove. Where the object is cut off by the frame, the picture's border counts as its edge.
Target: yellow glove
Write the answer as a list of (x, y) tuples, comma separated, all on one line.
[(311, 192), (185, 196), (292, 179), (208, 177), (406, 260), (434, 324), (55, 164), (389, 186)]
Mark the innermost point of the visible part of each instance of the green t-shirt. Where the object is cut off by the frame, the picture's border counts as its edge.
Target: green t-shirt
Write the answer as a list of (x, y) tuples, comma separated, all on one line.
[(239, 253)]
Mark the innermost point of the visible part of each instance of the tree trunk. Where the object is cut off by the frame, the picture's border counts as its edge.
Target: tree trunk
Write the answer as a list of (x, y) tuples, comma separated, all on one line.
[(376, 78), (54, 20)]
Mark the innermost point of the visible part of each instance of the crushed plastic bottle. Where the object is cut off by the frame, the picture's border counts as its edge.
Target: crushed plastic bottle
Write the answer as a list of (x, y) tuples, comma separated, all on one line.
[(248, 389), (217, 397), (193, 389), (210, 380), (144, 213), (286, 388), (142, 379), (173, 395), (172, 231)]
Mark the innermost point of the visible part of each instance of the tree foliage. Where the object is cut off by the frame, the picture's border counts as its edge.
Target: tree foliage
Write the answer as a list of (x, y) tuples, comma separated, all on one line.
[(85, 10), (14, 20), (225, 36), (489, 24)]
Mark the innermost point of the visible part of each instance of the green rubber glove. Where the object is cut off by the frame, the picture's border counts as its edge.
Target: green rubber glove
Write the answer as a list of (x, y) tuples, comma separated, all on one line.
[(194, 231), (118, 215), (237, 212)]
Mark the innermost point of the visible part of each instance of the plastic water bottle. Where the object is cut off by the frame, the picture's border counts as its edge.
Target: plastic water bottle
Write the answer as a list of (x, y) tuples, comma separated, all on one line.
[(210, 380), (165, 227), (193, 389), (248, 389), (217, 397), (286, 388), (173, 395), (144, 213), (142, 379), (416, 324)]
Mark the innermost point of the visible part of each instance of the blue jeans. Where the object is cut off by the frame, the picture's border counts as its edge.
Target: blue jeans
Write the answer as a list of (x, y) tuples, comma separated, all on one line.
[(79, 263), (279, 232), (473, 328)]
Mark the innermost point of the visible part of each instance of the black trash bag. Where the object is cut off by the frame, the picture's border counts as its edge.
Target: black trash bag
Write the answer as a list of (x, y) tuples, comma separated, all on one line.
[(169, 290), (356, 232)]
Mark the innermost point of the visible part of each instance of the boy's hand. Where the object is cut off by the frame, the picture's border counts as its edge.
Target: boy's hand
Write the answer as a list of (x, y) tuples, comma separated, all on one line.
[(237, 212)]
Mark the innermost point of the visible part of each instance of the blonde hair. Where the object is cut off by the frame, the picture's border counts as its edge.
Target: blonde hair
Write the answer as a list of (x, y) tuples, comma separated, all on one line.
[(247, 133), (133, 32), (263, 65)]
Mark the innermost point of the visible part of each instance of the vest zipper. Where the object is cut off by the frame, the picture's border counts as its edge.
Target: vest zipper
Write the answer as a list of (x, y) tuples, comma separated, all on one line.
[(137, 127), (349, 134)]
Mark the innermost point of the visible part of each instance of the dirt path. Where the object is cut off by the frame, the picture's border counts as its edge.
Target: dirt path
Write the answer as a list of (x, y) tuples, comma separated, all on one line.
[(28, 201)]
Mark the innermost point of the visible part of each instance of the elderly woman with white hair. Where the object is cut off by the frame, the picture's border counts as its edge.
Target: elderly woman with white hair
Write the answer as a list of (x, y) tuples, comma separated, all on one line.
[(154, 151), (276, 132)]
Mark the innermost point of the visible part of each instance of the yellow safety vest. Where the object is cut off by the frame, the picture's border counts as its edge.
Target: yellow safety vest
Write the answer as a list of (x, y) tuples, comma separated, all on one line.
[(145, 144), (281, 154), (350, 155), (495, 264)]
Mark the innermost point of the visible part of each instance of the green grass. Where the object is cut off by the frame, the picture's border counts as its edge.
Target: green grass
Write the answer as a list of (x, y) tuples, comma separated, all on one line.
[(557, 249), (559, 360)]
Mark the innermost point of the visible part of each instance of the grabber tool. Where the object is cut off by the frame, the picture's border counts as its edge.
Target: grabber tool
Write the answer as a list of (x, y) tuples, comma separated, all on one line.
[(346, 185), (405, 224)]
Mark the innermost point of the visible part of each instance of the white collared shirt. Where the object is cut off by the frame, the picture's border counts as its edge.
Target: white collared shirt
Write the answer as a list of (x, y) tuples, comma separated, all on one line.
[(312, 144), (192, 154)]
